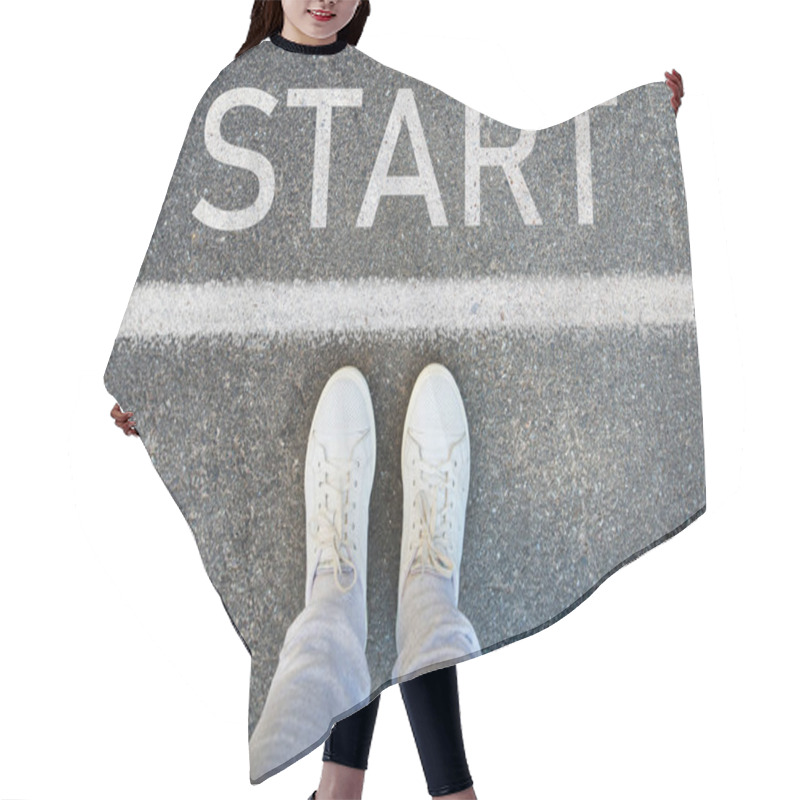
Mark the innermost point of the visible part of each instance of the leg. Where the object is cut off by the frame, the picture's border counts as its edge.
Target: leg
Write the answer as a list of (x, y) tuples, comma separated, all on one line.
[(435, 462), (322, 672), (351, 737), (346, 753), (339, 782), (430, 628), (431, 702)]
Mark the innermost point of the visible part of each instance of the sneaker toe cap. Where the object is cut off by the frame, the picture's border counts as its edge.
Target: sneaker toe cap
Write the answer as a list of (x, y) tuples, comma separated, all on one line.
[(346, 405), (438, 406)]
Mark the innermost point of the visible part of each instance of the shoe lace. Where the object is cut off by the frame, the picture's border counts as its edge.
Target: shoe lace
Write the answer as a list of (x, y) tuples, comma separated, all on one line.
[(332, 519), (434, 502)]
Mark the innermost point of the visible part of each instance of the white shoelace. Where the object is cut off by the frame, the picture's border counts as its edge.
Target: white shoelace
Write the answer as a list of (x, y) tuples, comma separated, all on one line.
[(434, 498), (333, 520)]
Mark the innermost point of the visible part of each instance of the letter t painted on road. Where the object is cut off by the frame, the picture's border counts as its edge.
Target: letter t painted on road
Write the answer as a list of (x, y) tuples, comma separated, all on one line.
[(324, 100), (583, 165)]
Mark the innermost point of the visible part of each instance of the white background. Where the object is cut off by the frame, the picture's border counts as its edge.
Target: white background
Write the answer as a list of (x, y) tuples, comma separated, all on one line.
[(120, 673)]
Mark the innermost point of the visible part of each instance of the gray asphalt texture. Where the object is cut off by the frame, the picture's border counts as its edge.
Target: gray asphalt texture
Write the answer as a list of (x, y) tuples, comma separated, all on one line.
[(587, 443)]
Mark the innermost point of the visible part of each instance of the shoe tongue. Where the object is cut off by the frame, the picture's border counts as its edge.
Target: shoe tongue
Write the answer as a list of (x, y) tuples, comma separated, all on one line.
[(434, 445), (339, 446)]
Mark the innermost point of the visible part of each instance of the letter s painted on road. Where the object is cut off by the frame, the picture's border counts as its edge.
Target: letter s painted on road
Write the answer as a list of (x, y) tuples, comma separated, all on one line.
[(227, 153)]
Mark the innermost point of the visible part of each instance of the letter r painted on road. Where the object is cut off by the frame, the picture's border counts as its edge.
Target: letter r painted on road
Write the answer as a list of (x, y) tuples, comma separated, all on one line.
[(509, 158)]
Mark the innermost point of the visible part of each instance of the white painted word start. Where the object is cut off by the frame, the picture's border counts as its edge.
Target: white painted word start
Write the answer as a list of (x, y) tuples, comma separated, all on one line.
[(404, 112)]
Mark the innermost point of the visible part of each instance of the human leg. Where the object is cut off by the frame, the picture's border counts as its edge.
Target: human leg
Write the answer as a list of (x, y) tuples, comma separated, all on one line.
[(322, 672), (430, 628), (346, 754), (339, 782), (322, 669), (433, 710), (351, 737)]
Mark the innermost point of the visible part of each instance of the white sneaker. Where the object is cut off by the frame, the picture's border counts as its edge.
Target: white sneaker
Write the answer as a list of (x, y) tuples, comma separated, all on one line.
[(340, 467), (435, 468)]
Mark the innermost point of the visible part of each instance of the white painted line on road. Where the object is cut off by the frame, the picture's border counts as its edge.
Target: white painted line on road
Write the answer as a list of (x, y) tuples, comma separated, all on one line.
[(164, 309)]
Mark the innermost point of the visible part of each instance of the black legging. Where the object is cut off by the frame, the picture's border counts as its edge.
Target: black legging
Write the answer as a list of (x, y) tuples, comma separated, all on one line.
[(432, 706)]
